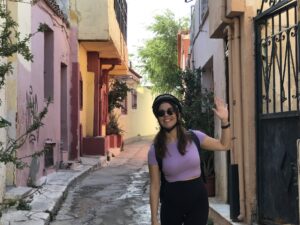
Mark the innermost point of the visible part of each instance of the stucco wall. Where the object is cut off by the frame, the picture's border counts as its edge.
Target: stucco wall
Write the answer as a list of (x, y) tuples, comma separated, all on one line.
[(30, 84), (86, 116), (241, 93), (93, 19), (209, 53), (116, 34), (139, 121)]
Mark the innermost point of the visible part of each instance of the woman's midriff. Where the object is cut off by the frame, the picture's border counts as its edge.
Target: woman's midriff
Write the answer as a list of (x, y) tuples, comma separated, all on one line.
[(192, 178)]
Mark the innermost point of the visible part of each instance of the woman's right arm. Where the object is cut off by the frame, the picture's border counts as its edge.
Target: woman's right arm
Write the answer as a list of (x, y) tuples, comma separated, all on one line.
[(154, 192)]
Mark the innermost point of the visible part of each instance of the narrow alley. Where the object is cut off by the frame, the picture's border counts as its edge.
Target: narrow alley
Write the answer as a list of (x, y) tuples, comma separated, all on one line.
[(115, 194)]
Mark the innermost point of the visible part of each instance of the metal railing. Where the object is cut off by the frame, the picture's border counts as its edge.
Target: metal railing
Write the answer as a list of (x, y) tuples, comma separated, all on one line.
[(121, 14), (278, 61)]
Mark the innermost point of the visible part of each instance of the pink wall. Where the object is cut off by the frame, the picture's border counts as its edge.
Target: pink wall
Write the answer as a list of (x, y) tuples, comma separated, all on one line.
[(33, 76)]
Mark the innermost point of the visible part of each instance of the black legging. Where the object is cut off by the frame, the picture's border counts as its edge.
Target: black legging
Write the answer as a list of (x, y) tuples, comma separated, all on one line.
[(184, 202)]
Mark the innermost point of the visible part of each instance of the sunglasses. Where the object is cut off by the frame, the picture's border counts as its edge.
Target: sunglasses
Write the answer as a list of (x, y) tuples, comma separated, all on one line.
[(161, 113)]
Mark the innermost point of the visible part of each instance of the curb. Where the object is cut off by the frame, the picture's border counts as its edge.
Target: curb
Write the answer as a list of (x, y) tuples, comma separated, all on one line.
[(46, 200)]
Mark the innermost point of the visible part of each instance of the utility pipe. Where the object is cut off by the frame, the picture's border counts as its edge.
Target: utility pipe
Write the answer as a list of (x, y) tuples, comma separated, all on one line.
[(234, 48), (228, 32), (239, 112)]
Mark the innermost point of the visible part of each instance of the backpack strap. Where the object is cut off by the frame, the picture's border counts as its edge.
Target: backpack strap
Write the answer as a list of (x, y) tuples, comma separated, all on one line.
[(197, 143), (159, 161), (162, 177)]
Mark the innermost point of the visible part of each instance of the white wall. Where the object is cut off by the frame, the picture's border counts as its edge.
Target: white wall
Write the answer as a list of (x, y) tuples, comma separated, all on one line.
[(209, 53)]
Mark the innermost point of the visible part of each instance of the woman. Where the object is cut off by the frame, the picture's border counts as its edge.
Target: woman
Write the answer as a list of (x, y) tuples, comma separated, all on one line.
[(185, 198)]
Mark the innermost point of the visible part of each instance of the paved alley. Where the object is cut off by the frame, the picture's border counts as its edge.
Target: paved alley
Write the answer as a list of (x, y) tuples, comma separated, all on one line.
[(114, 195)]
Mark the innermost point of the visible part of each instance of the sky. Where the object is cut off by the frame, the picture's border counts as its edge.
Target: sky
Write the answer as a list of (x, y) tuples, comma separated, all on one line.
[(141, 13)]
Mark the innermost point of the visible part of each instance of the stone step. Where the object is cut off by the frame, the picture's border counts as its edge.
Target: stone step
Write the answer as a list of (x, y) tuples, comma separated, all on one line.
[(17, 193), (219, 213)]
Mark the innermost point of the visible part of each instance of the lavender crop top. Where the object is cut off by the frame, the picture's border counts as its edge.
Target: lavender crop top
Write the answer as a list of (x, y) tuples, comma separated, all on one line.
[(177, 167)]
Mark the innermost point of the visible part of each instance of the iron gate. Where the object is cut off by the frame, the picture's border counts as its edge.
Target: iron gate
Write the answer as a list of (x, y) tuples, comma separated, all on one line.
[(278, 124)]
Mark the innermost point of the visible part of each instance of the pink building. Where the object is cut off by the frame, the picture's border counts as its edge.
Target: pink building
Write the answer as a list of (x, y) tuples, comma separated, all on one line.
[(183, 44), (54, 74)]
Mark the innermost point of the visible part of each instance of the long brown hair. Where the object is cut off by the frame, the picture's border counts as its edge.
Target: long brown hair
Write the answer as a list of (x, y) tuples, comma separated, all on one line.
[(183, 138)]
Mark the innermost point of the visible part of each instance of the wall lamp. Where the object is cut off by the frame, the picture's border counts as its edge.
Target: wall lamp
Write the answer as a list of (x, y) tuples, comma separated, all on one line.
[(187, 1)]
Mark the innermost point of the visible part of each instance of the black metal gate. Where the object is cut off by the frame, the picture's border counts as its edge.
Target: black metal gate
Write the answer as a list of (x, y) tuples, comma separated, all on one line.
[(277, 111)]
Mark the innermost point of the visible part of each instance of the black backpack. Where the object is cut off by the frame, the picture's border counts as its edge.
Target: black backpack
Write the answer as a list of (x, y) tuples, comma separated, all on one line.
[(159, 161)]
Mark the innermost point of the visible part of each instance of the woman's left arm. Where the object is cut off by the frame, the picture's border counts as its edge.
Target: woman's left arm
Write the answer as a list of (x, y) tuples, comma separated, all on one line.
[(209, 143)]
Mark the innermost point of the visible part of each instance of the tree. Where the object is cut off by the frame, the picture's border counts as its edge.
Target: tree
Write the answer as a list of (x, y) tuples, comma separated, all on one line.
[(158, 56), (197, 111), (197, 102), (10, 44), (117, 94)]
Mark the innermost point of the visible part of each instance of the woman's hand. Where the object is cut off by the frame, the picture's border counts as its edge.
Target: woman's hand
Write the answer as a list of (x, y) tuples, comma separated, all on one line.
[(221, 110)]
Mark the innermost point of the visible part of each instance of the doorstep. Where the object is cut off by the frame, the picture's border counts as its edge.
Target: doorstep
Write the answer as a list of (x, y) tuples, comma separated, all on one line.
[(219, 212)]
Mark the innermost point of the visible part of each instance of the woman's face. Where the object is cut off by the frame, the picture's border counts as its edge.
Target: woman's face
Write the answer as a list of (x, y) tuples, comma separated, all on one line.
[(166, 115)]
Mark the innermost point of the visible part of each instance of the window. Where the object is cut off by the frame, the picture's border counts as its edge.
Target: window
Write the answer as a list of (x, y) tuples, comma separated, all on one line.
[(133, 99)]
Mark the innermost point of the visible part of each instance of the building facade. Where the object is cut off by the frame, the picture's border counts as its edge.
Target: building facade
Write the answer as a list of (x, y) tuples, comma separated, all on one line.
[(137, 120), (48, 76), (249, 52), (102, 36)]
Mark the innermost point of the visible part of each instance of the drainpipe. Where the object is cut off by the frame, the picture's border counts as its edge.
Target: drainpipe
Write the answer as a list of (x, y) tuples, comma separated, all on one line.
[(238, 109), (234, 199), (237, 155), (228, 31)]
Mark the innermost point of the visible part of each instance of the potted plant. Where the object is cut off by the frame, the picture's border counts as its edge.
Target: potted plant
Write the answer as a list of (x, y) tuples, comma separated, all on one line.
[(117, 94), (114, 131)]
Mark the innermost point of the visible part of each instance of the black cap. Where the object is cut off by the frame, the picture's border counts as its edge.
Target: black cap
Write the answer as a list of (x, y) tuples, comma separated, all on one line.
[(166, 98)]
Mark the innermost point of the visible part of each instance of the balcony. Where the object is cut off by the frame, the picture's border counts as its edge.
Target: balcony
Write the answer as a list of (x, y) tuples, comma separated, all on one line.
[(102, 27)]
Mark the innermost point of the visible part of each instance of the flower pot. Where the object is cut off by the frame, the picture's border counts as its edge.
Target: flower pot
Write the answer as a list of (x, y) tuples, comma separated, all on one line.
[(119, 140), (112, 140)]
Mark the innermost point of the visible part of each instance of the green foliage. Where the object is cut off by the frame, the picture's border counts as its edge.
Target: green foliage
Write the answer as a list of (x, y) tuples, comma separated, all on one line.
[(8, 151), (113, 125), (158, 56), (197, 111), (210, 221), (23, 205), (10, 44), (4, 122), (197, 102), (117, 94)]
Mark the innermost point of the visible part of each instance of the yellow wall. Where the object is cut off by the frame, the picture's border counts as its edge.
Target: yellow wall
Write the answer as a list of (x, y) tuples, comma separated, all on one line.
[(116, 34), (92, 19), (87, 114), (140, 121)]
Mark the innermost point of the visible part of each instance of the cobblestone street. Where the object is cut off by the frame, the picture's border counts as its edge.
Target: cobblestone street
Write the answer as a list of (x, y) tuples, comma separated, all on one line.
[(113, 195)]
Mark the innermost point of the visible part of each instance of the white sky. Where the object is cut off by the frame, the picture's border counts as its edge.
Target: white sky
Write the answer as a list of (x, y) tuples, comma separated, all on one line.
[(140, 16)]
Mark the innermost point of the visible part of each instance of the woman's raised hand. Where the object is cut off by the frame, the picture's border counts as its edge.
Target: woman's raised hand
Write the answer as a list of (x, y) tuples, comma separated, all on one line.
[(221, 110)]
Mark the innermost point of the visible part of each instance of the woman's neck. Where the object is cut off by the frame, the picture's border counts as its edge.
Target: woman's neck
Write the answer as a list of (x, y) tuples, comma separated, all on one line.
[(171, 136)]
